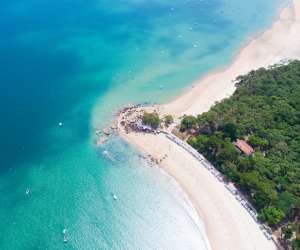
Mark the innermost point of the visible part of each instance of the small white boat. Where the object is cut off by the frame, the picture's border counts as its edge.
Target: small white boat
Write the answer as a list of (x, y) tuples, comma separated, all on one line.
[(66, 237), (106, 154), (60, 124), (27, 191), (115, 197)]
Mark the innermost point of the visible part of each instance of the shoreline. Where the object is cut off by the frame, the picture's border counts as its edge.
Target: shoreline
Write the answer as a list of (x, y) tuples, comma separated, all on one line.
[(252, 37), (227, 224), (273, 42)]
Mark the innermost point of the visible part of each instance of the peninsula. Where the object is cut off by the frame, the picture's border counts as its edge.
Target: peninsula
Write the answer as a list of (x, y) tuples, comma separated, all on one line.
[(230, 221)]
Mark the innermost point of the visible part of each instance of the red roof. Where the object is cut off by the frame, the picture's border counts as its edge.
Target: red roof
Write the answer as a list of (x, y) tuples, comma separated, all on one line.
[(244, 147)]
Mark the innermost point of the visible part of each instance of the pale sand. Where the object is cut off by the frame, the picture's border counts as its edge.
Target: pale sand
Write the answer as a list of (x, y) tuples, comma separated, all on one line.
[(227, 224), (281, 41)]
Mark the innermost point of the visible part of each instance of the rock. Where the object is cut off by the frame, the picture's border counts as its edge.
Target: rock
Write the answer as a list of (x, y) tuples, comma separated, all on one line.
[(106, 131), (114, 126), (101, 141)]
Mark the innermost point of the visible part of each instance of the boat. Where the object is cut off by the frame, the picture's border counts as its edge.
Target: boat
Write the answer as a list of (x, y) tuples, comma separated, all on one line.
[(105, 153), (60, 124), (115, 197), (66, 237), (27, 191)]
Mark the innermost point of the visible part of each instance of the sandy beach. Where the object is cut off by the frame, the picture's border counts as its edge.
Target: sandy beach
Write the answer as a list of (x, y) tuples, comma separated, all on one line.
[(228, 225), (279, 42)]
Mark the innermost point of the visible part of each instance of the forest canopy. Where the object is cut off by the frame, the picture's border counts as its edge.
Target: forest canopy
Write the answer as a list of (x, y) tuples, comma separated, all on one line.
[(264, 112)]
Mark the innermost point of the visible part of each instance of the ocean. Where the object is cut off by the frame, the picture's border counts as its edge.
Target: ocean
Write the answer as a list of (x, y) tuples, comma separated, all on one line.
[(76, 62)]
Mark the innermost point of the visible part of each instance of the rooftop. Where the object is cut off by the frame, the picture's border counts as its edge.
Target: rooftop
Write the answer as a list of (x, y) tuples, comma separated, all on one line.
[(244, 147)]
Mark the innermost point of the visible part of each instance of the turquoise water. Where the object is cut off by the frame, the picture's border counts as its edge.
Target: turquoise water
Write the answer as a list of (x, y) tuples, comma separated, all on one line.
[(76, 62)]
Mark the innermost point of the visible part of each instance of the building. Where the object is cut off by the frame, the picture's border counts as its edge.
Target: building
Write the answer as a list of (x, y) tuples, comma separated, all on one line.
[(244, 147)]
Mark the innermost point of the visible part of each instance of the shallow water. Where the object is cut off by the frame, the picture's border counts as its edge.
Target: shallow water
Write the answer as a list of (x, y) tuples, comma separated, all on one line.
[(76, 62)]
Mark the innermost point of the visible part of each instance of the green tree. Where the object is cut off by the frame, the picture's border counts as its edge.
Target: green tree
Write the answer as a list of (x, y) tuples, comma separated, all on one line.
[(230, 130), (287, 233), (151, 119), (200, 143), (168, 119), (296, 244), (188, 122), (258, 142), (272, 215), (227, 153)]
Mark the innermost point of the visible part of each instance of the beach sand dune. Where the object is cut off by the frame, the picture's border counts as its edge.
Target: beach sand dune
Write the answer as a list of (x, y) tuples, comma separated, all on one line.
[(227, 223)]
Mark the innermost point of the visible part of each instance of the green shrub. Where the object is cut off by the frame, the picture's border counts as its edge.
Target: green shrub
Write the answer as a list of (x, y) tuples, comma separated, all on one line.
[(151, 119)]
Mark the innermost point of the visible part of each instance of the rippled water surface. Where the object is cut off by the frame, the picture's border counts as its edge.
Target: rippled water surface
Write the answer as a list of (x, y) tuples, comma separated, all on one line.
[(75, 62)]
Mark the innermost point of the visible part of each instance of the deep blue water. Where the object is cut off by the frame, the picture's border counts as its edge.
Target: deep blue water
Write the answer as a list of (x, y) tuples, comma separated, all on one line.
[(76, 62)]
